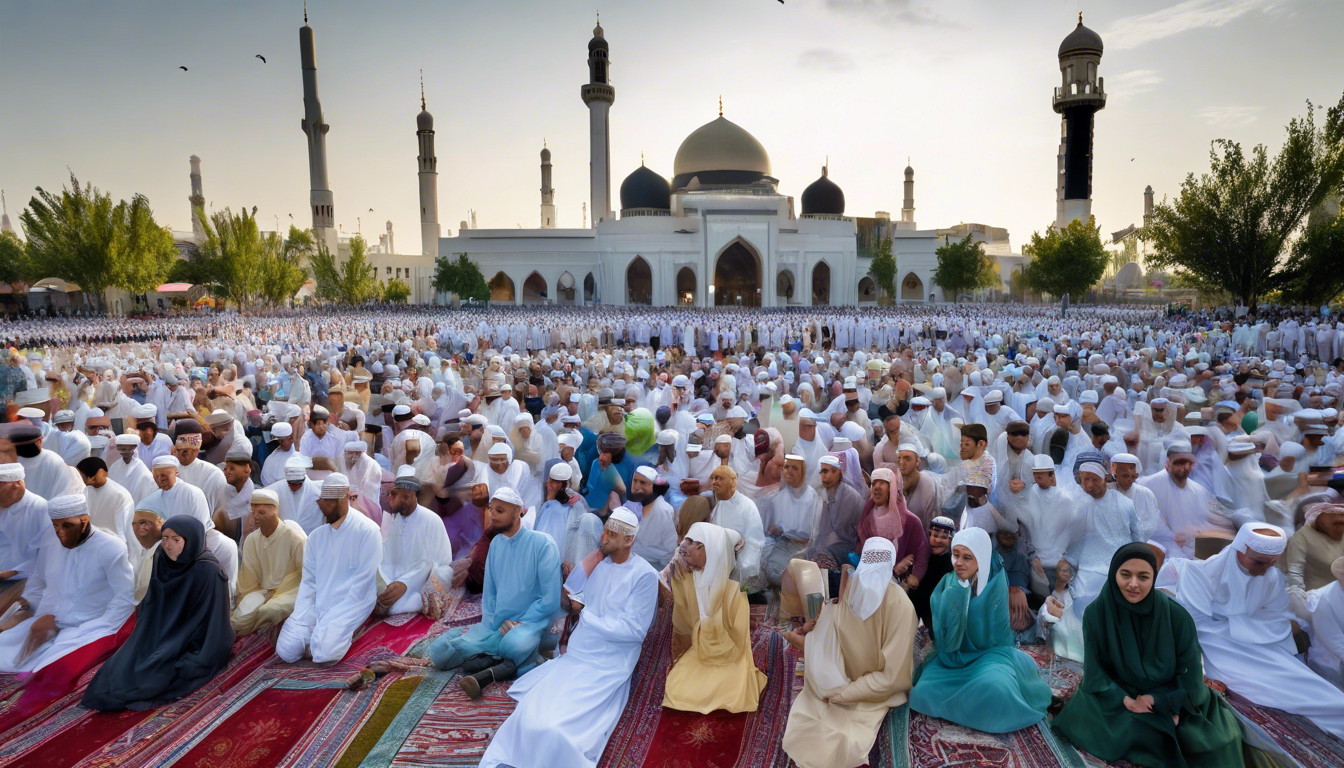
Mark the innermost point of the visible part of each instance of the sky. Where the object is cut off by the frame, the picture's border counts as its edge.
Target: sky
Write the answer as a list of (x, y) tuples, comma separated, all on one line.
[(962, 89)]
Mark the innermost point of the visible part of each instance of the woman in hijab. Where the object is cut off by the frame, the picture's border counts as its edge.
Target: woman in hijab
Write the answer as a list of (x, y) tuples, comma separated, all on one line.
[(1143, 698), (975, 677), (182, 635)]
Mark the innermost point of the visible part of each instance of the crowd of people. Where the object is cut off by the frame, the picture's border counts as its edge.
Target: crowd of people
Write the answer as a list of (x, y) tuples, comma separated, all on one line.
[(1150, 494)]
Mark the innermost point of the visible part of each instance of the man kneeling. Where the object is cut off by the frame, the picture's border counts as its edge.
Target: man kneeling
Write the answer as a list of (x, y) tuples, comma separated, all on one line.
[(520, 597), (272, 567), (568, 708)]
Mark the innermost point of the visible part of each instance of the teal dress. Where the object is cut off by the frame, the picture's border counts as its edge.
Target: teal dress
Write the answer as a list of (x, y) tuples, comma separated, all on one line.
[(975, 677)]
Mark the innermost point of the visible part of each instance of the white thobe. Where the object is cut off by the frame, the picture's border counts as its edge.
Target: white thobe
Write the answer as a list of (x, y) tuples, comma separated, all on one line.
[(25, 529), (274, 468), (225, 551), (1326, 657), (329, 445), (47, 475), (414, 546), (518, 477), (132, 475), (568, 708), (161, 445), (366, 477), (656, 541), (210, 479), (794, 511), (300, 506), (740, 514), (111, 509), (142, 567), (1146, 510), (74, 446), (88, 588), (1185, 513), (338, 591), (182, 499), (1048, 519)]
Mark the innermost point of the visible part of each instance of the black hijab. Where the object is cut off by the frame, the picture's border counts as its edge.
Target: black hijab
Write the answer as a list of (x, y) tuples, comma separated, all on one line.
[(182, 637)]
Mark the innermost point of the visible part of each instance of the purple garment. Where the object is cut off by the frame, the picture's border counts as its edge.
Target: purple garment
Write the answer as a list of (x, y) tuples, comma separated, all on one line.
[(464, 524), (912, 541)]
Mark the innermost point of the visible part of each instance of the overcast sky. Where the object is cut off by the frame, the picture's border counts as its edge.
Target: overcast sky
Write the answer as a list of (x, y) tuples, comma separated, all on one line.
[(961, 88)]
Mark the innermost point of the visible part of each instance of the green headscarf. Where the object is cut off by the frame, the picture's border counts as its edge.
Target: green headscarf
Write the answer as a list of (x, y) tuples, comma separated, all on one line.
[(1136, 638), (640, 431)]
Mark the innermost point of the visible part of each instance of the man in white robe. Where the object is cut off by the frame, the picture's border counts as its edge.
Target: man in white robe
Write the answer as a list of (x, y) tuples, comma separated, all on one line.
[(24, 530), (736, 512), (127, 470), (340, 581), (657, 540), (789, 516), (1126, 469), (1047, 517), (73, 446), (322, 439), (1325, 614), (46, 473), (568, 708), (504, 471), (176, 497), (273, 470), (1239, 602), (110, 506), (366, 477), (81, 590), (196, 471), (415, 547), (298, 496), (1188, 508), (148, 528)]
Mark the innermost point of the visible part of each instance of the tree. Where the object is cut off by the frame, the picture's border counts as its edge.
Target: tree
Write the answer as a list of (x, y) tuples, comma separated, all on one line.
[(1070, 260), (964, 266), (240, 264), (282, 272), (1229, 228), (352, 281), (460, 276), (1314, 274), (14, 266), (883, 267), (396, 291), (81, 237)]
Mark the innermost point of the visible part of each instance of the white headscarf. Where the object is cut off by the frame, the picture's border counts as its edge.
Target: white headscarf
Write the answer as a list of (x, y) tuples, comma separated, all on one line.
[(711, 581), (976, 540), (868, 585)]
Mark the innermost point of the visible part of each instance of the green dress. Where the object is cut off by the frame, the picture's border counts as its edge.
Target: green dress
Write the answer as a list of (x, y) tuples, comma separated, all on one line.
[(1149, 647), (976, 678)]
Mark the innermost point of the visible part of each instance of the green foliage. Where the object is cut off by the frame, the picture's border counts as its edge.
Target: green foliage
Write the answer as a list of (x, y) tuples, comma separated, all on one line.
[(14, 266), (396, 292), (1230, 227), (460, 276), (241, 265), (964, 266), (352, 281), (282, 272), (1315, 271), (81, 237), (883, 267), (1070, 260)]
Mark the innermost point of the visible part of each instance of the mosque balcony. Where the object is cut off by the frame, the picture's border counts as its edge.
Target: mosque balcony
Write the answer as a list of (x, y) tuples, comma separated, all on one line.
[(598, 92), (827, 217), (1080, 95), (630, 212)]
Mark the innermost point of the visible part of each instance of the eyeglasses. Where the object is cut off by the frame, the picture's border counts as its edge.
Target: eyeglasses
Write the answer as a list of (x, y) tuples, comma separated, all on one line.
[(1018, 433)]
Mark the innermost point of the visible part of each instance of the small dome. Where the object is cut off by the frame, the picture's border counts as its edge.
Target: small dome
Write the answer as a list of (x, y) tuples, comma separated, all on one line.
[(424, 121), (598, 40), (720, 152), (545, 155), (909, 171), (823, 196), (1080, 40), (645, 189)]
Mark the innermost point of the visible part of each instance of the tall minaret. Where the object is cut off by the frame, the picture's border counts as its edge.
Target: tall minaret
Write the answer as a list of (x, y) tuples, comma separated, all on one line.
[(547, 192), (323, 204), (391, 246), (429, 179), (907, 221), (5, 226), (599, 96), (1147, 204), (197, 202), (1081, 96)]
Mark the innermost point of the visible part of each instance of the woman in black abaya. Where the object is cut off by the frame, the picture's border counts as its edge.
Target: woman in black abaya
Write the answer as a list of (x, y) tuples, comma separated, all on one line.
[(182, 635)]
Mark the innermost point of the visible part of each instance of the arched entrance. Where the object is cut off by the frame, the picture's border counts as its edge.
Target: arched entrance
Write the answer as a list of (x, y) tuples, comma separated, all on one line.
[(501, 288), (867, 290), (912, 288), (534, 289), (589, 289), (565, 289), (686, 287), (821, 285), (784, 284), (639, 282), (737, 277)]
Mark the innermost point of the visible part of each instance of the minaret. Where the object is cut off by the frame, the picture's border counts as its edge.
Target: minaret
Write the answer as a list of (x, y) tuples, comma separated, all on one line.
[(907, 221), (1077, 100), (315, 128), (599, 96), (391, 246), (5, 225), (197, 202), (429, 179), (1147, 204), (547, 192)]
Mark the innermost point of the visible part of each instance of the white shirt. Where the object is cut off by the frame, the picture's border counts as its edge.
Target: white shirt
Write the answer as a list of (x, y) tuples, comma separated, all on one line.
[(740, 514), (111, 509)]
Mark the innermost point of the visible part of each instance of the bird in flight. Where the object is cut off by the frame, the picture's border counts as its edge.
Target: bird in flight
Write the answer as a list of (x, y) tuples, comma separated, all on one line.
[(263, 58), (184, 69)]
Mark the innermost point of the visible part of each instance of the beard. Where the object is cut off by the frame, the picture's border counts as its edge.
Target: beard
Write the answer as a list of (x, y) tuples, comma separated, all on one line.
[(641, 498)]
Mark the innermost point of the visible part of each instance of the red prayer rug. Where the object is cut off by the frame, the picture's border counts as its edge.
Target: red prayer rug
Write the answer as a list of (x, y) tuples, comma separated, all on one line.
[(261, 733), (1298, 736)]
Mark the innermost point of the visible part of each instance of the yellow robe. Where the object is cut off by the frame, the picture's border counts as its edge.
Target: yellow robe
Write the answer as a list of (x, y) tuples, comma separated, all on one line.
[(270, 568), (878, 660), (717, 671)]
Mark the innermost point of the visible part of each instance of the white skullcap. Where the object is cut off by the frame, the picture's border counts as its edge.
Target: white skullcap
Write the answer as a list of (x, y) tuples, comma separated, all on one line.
[(401, 410), (1127, 458), (1092, 467), (1061, 409), (920, 400), (282, 429), (647, 472), (841, 444), (167, 461), (129, 439), (508, 496), (335, 486), (355, 446), (146, 411), (911, 447), (1088, 396), (1158, 402), (1042, 463), (1241, 445), (11, 473), (937, 393), (1272, 542), (420, 420), (561, 471), (667, 437), (794, 457), (829, 461), (265, 496), (523, 418), (625, 517), (70, 505), (499, 449), (723, 439), (994, 396), (494, 430), (807, 413), (572, 439), (1179, 446), (737, 412), (62, 417)]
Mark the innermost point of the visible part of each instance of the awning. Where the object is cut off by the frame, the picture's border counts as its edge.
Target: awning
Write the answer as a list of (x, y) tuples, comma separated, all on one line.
[(174, 288)]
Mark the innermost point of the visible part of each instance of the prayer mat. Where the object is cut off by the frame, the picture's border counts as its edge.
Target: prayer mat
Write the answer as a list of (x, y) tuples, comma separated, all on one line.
[(1296, 735), (30, 697), (263, 731), (394, 698)]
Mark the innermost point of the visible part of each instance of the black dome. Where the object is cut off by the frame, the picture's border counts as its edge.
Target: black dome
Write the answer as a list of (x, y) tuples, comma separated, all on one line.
[(1080, 39), (823, 196), (645, 189)]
